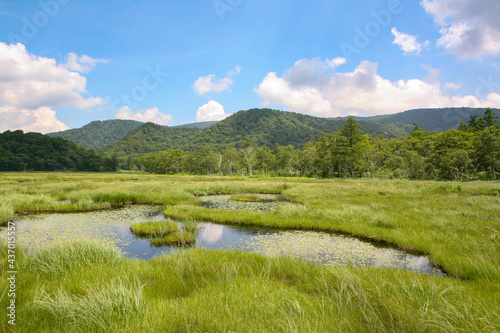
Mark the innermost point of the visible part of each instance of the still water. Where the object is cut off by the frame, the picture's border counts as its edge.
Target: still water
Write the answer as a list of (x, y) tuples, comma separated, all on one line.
[(113, 227)]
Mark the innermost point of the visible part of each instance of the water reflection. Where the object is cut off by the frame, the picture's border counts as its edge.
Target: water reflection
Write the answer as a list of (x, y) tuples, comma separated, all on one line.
[(113, 227)]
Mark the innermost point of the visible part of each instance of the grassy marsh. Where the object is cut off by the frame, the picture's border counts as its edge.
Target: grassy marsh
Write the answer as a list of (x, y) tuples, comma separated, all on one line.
[(457, 224)]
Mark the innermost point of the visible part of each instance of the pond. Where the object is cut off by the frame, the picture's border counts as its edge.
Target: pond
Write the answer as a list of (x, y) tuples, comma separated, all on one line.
[(113, 227)]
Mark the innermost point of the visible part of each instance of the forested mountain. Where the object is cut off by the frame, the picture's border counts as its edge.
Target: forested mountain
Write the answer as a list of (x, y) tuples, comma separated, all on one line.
[(434, 120), (37, 152), (257, 126), (99, 135), (150, 138), (472, 152)]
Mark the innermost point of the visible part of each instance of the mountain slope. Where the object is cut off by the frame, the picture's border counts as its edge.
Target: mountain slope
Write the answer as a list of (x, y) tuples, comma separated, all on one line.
[(259, 126), (99, 135), (149, 138), (434, 120)]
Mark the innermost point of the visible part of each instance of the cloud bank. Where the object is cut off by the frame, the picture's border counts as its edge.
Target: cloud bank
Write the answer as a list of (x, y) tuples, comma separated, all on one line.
[(315, 87), (30, 86)]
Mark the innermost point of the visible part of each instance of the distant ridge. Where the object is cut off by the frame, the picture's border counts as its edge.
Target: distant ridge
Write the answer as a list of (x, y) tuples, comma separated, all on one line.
[(201, 124), (434, 120), (128, 139), (99, 135), (257, 126)]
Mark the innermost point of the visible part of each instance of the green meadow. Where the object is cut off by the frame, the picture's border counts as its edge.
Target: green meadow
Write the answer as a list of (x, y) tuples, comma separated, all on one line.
[(84, 286)]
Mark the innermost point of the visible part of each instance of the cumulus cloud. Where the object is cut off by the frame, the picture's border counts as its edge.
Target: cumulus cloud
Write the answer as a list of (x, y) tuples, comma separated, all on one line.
[(212, 111), (408, 43), (206, 84), (469, 28), (82, 64), (322, 92), (31, 85), (41, 120), (150, 115)]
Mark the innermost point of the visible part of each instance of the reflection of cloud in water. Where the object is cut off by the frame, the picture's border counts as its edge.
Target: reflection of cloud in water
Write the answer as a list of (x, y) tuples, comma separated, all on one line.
[(211, 233)]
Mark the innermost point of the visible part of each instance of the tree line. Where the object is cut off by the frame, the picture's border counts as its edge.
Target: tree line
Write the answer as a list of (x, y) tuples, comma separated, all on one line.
[(471, 152), (21, 151)]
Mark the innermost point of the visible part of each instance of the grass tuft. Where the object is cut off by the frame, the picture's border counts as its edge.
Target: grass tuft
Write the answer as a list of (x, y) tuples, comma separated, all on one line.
[(159, 228), (178, 238), (98, 309), (67, 255)]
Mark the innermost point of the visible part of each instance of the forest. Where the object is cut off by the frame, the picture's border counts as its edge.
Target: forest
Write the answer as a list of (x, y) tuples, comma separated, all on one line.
[(469, 153), (36, 152)]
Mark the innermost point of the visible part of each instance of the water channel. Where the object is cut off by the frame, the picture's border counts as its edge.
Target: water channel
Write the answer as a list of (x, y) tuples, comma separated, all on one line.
[(113, 227)]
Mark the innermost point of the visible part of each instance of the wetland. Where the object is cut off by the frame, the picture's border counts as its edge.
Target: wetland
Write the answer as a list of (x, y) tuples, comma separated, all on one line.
[(86, 271)]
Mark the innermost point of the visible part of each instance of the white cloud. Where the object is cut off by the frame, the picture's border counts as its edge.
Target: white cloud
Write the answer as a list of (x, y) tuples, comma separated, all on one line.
[(212, 111), (408, 43), (41, 120), (151, 115), (469, 28), (31, 85), (82, 64), (206, 84), (318, 91), (28, 81)]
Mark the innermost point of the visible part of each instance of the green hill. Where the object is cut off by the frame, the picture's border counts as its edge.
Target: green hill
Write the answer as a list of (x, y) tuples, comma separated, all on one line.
[(99, 135), (259, 126), (38, 152), (434, 120)]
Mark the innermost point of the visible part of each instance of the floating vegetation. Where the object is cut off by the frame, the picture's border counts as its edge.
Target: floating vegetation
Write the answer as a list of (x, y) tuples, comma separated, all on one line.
[(335, 250), (178, 239), (250, 198), (114, 227), (256, 202), (159, 228), (108, 227)]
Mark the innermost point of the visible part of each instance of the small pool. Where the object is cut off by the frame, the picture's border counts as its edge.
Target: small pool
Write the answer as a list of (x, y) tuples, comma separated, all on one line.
[(113, 227)]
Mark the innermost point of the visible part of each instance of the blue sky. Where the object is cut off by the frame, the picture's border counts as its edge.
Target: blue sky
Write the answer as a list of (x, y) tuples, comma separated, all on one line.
[(65, 63)]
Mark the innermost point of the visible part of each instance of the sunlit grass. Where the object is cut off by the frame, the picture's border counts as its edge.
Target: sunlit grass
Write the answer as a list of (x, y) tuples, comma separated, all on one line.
[(457, 225), (208, 291), (154, 228), (179, 238)]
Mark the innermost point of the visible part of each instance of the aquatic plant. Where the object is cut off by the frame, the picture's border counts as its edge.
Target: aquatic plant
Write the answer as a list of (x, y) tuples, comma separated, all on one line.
[(250, 198)]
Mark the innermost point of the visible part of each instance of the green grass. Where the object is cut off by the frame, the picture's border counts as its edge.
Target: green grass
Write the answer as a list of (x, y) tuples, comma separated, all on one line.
[(81, 286), (219, 291), (178, 238), (158, 228)]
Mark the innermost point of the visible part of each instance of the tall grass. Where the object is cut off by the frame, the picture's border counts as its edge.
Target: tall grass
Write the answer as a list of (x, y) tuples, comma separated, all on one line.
[(90, 287), (67, 255), (98, 309)]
